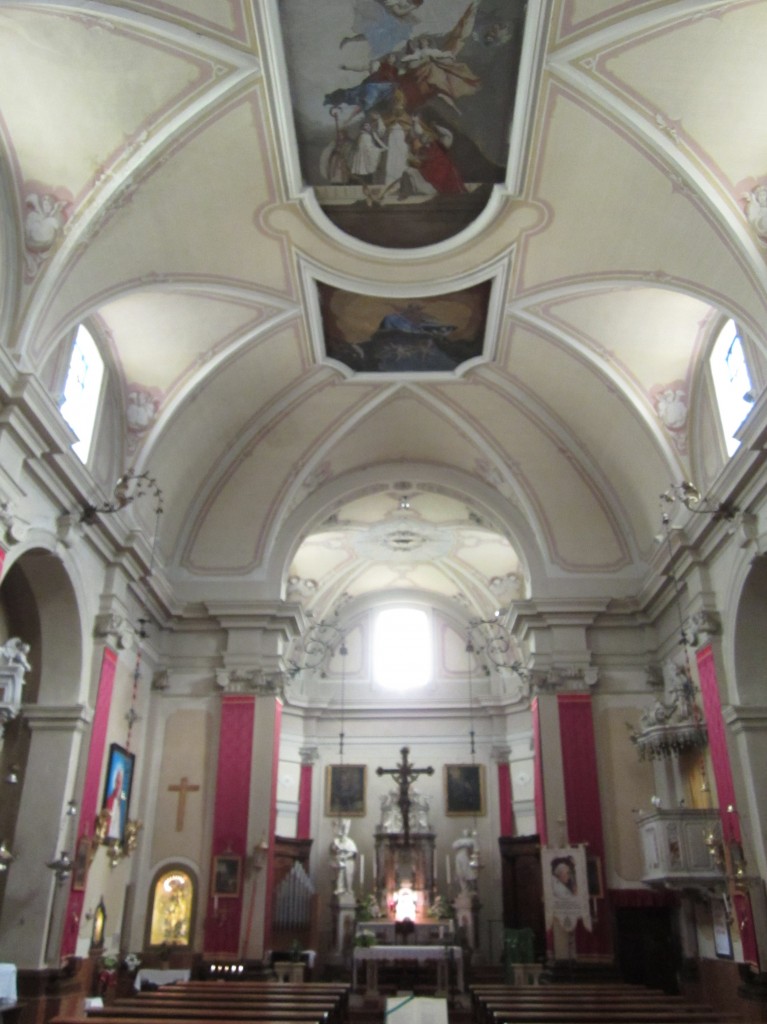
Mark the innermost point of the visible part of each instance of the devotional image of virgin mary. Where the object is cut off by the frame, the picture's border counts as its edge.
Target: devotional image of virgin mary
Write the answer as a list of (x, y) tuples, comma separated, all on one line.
[(369, 334)]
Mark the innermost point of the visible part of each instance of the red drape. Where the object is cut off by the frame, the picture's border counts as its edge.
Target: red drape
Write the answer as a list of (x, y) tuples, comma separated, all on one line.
[(304, 820), (272, 824), (582, 806), (230, 816), (505, 804), (539, 793), (725, 788), (89, 805)]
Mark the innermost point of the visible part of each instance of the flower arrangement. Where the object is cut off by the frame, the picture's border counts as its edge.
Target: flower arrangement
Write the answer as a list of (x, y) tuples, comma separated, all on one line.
[(365, 938), (368, 908), (441, 908), (132, 962)]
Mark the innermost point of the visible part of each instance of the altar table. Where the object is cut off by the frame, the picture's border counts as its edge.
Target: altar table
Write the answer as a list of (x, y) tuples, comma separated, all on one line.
[(7, 983), (150, 976), (372, 956)]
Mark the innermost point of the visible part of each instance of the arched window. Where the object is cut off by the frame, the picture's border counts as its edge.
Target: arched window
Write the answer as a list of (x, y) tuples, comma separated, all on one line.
[(171, 907), (732, 382), (402, 648), (82, 390)]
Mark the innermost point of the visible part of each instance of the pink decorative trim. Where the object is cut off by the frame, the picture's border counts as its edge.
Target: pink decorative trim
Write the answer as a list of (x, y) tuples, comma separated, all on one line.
[(539, 797), (304, 822), (272, 825), (505, 805), (2, 560), (89, 804), (230, 817), (725, 787), (582, 806)]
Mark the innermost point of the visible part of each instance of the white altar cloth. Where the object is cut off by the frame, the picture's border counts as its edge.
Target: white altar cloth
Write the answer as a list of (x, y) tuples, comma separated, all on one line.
[(7, 983), (148, 975), (371, 956)]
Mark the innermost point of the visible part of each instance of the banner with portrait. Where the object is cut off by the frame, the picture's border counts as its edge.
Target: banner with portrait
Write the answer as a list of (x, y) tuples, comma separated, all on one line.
[(565, 886)]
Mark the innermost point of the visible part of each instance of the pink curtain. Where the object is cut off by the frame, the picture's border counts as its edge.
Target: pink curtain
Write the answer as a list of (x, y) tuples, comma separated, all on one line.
[(272, 824), (89, 805), (725, 788), (539, 793), (582, 806), (505, 804), (304, 820), (230, 816)]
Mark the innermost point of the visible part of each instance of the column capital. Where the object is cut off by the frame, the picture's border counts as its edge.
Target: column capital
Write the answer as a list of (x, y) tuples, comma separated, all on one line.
[(309, 755), (57, 717)]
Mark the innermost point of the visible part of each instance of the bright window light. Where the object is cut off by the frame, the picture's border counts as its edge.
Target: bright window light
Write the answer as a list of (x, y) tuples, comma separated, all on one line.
[(732, 383), (402, 648), (82, 391)]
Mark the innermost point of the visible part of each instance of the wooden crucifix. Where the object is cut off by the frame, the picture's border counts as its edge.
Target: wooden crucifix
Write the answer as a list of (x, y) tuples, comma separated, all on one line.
[(182, 788), (404, 774)]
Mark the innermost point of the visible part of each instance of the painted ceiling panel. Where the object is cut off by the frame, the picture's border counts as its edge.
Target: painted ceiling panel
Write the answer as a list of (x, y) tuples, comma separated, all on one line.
[(697, 85), (552, 374), (258, 483), (163, 231), (650, 333), (666, 236), (236, 396), (225, 15), (552, 480), (92, 109), (387, 435), (185, 331)]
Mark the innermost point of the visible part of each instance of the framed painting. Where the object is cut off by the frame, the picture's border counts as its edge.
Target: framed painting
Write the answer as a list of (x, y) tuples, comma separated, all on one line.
[(81, 864), (722, 937), (117, 790), (227, 875), (465, 789), (594, 876), (345, 790)]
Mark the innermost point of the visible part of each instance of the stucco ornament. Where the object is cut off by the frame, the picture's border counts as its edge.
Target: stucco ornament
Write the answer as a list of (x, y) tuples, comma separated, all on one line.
[(45, 214), (756, 210)]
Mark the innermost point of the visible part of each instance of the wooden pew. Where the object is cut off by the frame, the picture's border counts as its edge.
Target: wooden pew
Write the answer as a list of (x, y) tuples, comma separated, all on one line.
[(166, 1007)]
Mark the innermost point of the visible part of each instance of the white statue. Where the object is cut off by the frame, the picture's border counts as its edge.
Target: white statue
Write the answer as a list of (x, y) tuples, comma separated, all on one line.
[(343, 851), (14, 652), (391, 812), (13, 664), (465, 849)]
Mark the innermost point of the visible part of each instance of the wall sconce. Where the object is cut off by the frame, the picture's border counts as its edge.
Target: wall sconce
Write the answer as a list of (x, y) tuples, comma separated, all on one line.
[(129, 487), (6, 857), (116, 850), (12, 776), (693, 501), (62, 867), (260, 854)]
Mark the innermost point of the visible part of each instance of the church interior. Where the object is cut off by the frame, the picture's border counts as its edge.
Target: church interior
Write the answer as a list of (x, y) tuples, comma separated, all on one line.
[(383, 493)]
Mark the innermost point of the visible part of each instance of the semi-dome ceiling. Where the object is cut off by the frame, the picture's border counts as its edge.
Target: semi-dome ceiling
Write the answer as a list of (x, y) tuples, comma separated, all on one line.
[(152, 183)]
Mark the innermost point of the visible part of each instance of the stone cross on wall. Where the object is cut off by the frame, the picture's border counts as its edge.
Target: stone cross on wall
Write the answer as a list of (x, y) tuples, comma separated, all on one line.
[(404, 775)]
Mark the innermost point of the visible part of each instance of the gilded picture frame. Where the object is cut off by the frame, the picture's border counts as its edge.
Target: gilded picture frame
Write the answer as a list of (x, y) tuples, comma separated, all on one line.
[(117, 790), (465, 790), (227, 876), (345, 787)]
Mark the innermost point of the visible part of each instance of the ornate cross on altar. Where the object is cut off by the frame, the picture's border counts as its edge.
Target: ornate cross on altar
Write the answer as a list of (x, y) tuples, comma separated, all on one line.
[(405, 774), (182, 789)]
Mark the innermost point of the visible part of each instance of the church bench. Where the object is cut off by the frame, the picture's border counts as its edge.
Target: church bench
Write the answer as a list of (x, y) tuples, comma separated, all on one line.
[(604, 1014), (303, 1013), (168, 1006)]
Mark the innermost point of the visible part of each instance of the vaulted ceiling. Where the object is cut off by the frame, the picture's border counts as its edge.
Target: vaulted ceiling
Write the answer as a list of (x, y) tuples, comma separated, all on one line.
[(152, 183)]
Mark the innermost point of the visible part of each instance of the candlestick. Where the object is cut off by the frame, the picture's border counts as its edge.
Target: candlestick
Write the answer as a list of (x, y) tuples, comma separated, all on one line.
[(447, 868), (362, 870)]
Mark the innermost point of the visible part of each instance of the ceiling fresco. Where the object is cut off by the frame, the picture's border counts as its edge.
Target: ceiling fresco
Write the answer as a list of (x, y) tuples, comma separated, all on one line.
[(370, 334), (402, 110)]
